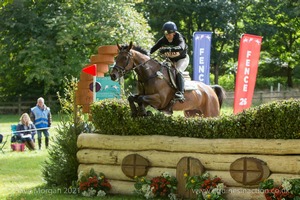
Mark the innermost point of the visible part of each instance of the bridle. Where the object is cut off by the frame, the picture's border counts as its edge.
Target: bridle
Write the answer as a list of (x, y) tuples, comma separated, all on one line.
[(122, 70), (129, 62)]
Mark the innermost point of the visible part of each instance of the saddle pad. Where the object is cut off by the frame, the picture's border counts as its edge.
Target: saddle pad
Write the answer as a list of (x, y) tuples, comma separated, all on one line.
[(188, 85)]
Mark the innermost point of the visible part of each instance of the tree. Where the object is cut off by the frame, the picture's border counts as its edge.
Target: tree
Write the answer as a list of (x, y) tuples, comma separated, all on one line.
[(277, 21), (44, 41), (279, 25)]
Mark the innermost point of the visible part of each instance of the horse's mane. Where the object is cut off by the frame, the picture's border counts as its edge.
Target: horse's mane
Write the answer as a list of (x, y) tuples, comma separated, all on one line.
[(136, 48)]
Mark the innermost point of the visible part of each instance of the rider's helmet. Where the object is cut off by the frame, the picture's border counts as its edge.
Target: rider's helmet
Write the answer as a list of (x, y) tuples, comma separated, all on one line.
[(169, 27)]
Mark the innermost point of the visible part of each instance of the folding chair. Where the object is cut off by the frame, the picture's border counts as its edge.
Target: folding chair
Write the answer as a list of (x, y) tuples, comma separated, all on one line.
[(16, 140), (14, 133), (2, 142)]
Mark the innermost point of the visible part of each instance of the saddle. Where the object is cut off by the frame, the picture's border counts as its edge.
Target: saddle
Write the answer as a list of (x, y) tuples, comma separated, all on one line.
[(188, 85)]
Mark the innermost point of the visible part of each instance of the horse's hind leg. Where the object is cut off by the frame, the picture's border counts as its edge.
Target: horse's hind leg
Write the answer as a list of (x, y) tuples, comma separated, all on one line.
[(131, 99)]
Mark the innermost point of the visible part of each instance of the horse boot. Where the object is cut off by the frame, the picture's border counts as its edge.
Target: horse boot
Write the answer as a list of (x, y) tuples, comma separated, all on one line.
[(46, 142), (40, 143), (179, 95)]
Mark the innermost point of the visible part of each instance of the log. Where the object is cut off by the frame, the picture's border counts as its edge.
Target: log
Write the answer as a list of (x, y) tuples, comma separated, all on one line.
[(114, 172), (218, 162), (122, 187), (240, 193), (186, 144)]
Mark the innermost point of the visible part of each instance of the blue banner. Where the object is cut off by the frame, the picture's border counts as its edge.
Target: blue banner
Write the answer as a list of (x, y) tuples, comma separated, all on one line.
[(201, 49)]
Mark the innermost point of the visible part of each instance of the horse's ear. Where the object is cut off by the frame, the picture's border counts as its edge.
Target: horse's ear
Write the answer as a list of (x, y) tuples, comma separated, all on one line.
[(130, 46), (118, 46)]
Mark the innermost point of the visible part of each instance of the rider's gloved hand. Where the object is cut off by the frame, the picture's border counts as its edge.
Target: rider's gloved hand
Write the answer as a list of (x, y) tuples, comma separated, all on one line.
[(164, 50)]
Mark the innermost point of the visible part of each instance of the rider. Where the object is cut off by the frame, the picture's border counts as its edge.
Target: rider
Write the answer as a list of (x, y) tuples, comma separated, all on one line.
[(173, 45)]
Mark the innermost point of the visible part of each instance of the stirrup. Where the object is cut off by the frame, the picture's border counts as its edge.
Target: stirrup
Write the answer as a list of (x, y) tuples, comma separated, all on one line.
[(179, 97)]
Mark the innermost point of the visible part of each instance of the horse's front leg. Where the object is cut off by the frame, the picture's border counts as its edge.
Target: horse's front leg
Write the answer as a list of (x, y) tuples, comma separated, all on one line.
[(145, 100), (131, 99), (141, 106)]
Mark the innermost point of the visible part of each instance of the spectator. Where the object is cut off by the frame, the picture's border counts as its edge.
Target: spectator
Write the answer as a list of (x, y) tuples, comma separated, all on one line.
[(41, 116), (26, 131)]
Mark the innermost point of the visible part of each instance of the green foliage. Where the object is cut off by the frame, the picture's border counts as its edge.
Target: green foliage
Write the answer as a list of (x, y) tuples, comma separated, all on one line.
[(42, 42), (266, 184), (117, 110), (163, 186), (276, 120), (92, 184), (60, 169), (275, 20), (289, 189), (205, 186), (227, 82)]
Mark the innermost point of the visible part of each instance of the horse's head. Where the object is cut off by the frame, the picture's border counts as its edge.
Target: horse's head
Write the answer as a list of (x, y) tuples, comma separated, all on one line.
[(123, 62)]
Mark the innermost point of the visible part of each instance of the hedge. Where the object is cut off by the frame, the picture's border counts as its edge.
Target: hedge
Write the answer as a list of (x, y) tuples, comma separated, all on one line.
[(275, 120)]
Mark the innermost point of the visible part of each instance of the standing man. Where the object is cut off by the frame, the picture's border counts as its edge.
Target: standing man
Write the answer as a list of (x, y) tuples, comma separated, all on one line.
[(172, 44), (42, 119)]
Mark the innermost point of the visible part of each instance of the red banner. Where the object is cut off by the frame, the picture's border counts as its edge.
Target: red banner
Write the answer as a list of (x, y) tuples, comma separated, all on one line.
[(246, 71)]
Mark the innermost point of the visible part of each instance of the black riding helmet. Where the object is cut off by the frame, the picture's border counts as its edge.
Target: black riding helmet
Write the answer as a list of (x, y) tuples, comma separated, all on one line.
[(169, 27)]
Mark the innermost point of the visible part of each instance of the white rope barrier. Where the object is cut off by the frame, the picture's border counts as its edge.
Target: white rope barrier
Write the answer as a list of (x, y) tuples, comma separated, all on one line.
[(37, 129)]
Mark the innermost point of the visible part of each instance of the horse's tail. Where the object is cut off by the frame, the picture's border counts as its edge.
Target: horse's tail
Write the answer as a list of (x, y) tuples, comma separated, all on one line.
[(219, 90)]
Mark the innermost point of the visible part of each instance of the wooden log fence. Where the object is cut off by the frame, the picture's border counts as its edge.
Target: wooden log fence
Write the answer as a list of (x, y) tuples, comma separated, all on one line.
[(21, 106), (105, 153)]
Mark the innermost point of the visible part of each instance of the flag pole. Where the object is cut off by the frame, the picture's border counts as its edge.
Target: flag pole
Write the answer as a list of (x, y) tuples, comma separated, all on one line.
[(94, 88), (92, 70)]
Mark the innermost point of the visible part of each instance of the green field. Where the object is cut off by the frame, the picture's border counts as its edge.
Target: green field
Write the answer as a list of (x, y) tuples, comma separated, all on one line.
[(19, 171)]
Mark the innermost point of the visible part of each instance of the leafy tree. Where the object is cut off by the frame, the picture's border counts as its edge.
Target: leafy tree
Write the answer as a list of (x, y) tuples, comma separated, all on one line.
[(278, 22), (43, 41), (199, 15)]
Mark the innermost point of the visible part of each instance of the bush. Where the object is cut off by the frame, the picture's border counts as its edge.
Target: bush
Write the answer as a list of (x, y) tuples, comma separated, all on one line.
[(61, 167), (276, 120)]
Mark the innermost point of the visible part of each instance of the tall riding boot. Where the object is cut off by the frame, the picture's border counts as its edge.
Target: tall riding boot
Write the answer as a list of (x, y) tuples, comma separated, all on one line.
[(179, 95), (40, 143), (46, 142)]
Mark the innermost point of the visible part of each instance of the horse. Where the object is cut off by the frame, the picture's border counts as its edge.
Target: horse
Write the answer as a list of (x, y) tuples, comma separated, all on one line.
[(156, 86)]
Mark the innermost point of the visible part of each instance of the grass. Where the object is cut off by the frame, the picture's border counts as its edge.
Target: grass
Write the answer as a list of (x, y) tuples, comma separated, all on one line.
[(21, 172)]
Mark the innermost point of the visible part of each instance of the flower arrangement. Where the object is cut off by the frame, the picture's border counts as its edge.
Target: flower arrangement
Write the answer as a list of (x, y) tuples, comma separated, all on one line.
[(91, 184), (288, 190), (163, 186), (206, 187)]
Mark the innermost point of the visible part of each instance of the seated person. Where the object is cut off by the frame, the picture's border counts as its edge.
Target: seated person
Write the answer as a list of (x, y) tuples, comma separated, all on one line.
[(26, 129)]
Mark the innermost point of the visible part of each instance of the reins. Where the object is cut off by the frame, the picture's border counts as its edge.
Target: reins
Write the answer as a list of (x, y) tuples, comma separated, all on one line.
[(158, 73)]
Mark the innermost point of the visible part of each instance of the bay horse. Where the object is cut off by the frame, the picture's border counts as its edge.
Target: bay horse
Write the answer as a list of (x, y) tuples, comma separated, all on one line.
[(155, 87)]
